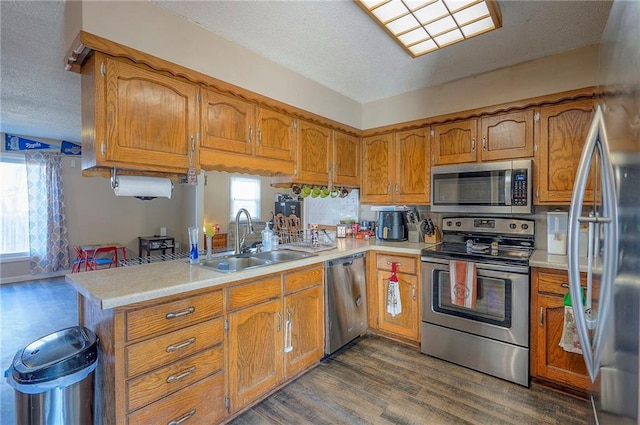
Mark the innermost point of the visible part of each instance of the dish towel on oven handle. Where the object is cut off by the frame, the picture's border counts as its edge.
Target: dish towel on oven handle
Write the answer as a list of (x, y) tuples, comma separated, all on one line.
[(463, 283), (394, 304)]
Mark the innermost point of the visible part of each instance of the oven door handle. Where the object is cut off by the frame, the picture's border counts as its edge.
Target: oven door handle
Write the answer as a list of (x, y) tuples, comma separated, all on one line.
[(481, 266)]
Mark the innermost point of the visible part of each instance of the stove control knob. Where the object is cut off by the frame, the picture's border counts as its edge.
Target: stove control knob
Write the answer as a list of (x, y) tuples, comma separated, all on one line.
[(458, 223), (524, 226), (512, 226), (449, 223)]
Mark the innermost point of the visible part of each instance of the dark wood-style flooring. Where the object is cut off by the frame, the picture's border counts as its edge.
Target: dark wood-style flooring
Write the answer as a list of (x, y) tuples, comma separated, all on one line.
[(374, 381), (377, 381)]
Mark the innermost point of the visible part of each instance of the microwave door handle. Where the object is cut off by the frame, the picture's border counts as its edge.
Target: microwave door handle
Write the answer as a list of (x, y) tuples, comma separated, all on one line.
[(507, 187)]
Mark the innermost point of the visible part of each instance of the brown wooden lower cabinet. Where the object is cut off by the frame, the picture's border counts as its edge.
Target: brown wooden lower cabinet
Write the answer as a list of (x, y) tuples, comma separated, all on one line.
[(275, 336), (549, 361)]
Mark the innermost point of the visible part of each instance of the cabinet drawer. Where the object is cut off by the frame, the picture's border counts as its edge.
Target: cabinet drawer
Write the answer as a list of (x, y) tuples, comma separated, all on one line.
[(557, 282), (172, 315), (254, 292), (161, 382), (406, 265), (301, 279), (162, 350), (200, 403)]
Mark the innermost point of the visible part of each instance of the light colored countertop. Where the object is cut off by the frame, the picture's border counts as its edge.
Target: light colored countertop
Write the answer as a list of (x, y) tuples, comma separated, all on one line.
[(122, 286), (541, 258)]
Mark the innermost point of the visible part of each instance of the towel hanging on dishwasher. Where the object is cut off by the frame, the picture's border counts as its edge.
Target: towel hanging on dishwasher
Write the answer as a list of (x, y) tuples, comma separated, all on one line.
[(394, 304)]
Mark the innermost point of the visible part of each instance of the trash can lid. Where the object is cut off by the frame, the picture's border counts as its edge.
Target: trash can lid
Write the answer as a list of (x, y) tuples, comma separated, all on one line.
[(58, 354)]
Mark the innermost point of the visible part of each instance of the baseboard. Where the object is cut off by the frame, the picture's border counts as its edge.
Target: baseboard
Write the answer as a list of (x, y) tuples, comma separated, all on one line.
[(28, 277)]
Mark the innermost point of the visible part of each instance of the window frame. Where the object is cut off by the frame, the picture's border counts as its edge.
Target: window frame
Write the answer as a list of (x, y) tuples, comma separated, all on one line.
[(15, 158), (256, 200)]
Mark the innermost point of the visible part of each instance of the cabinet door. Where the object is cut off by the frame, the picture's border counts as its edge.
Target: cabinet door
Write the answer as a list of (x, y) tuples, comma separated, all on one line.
[(412, 167), (377, 168), (454, 143), (563, 131), (276, 135), (151, 120), (314, 152), (304, 321), (405, 324), (551, 361), (507, 136), (227, 123), (346, 159), (255, 340)]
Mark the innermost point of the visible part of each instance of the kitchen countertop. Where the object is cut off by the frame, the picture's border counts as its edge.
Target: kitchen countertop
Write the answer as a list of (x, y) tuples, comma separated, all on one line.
[(122, 286), (543, 259)]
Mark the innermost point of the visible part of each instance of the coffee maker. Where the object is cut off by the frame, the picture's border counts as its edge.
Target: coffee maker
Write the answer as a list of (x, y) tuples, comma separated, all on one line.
[(392, 226)]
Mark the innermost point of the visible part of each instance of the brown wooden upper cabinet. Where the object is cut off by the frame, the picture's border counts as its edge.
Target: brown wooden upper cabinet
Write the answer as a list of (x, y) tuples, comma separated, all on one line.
[(495, 137), (346, 159), (396, 168), (237, 135), (563, 131), (135, 118), (327, 156)]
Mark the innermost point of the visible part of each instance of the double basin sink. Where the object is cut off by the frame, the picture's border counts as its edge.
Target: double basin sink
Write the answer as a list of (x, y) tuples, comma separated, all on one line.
[(239, 262)]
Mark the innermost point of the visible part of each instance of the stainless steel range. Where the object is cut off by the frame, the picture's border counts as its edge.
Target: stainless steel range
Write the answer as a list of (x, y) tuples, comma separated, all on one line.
[(481, 321)]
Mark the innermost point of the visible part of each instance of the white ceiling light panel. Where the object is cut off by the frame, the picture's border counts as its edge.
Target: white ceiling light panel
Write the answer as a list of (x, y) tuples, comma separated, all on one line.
[(422, 26)]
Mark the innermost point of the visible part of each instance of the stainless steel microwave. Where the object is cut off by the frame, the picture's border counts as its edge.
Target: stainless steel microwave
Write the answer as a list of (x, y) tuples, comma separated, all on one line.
[(490, 187)]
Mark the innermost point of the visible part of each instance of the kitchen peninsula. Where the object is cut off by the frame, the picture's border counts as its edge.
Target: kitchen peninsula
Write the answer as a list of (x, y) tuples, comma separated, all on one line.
[(179, 340)]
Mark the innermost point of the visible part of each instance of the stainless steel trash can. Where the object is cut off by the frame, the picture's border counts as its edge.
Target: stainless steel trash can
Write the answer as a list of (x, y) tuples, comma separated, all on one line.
[(53, 378)]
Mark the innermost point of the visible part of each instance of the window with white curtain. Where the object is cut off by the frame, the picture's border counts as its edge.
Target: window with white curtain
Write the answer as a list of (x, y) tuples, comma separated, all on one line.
[(14, 210), (245, 193)]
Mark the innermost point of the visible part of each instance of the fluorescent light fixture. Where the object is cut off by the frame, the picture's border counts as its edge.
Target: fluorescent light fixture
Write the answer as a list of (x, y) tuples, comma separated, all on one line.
[(422, 26)]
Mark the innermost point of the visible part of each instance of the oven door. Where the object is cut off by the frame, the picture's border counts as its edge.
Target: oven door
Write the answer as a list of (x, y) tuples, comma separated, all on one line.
[(501, 309)]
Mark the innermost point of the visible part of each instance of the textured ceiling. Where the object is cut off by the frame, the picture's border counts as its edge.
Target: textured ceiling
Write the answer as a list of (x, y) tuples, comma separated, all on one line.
[(330, 41)]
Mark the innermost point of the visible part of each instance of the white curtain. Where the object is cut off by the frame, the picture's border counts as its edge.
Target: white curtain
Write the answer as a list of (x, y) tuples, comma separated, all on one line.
[(48, 238)]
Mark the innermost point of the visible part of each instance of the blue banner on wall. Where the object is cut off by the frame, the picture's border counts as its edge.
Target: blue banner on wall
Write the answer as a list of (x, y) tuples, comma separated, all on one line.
[(69, 148), (15, 143)]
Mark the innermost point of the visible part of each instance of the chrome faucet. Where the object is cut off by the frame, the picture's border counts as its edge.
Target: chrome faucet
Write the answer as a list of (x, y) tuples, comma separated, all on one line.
[(240, 244)]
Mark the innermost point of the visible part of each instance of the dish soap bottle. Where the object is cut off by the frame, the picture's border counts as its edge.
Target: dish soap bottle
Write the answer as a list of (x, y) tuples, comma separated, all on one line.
[(267, 235)]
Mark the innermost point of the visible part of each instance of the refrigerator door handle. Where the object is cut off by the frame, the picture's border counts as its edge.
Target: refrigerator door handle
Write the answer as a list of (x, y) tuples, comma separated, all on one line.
[(591, 325)]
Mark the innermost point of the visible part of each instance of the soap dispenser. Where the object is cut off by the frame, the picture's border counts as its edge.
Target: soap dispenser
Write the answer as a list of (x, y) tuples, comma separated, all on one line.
[(267, 235)]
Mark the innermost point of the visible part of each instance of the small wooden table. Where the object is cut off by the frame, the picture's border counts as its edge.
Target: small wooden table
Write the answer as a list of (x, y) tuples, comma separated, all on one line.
[(147, 244)]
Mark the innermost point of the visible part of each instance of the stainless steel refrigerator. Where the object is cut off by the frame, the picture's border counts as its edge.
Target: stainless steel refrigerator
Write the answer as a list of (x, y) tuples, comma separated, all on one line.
[(608, 322)]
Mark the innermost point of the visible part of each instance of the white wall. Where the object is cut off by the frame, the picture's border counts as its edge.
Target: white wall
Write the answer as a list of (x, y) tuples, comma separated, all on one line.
[(95, 215), (562, 72), (217, 198)]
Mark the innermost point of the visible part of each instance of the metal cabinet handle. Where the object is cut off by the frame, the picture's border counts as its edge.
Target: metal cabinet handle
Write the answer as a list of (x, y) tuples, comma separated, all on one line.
[(473, 144), (388, 188), (279, 321), (174, 378), (540, 319), (397, 188), (250, 134), (391, 262), (183, 419), (484, 143), (538, 193), (259, 136), (413, 292), (180, 313), (565, 285), (181, 345)]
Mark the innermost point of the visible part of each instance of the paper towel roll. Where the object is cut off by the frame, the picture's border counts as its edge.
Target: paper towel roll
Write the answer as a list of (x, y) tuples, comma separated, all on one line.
[(143, 186)]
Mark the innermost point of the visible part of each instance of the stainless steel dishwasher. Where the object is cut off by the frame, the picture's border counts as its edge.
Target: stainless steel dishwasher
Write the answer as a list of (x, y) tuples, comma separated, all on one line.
[(346, 301)]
